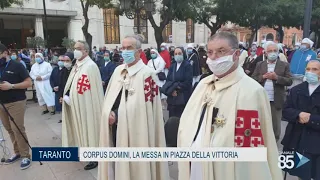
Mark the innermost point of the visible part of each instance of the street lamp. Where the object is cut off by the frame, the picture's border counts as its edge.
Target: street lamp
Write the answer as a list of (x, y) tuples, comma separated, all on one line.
[(307, 19), (45, 22), (137, 9)]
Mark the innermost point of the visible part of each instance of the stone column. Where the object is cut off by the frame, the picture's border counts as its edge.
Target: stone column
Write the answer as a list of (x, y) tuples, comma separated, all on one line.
[(39, 27), (74, 29)]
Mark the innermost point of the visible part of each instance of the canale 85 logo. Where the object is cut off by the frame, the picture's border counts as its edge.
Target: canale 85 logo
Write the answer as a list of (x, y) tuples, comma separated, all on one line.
[(290, 160)]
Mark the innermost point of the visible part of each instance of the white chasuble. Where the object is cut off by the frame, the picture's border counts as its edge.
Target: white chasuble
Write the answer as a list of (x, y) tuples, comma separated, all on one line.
[(81, 119), (245, 109), (140, 123)]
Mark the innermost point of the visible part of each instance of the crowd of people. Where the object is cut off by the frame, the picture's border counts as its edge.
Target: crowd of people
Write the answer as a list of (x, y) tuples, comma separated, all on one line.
[(226, 95)]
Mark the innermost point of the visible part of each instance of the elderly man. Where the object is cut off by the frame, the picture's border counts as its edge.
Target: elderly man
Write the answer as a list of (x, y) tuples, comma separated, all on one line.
[(82, 103), (40, 73), (300, 60), (219, 114), (274, 75), (132, 117), (302, 112)]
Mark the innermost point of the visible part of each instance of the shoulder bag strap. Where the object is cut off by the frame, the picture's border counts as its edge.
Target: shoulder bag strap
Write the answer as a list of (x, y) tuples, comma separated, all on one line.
[(153, 64)]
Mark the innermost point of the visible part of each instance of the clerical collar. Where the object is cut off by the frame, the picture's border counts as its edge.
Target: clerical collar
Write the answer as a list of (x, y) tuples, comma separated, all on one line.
[(229, 79), (80, 63), (132, 70)]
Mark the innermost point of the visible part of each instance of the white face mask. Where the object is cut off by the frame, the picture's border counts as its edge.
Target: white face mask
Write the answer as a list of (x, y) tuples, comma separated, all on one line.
[(77, 54), (67, 65), (221, 65)]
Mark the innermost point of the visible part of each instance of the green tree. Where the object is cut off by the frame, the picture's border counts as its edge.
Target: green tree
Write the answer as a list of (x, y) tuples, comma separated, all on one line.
[(286, 13), (251, 14), (8, 3), (68, 43), (85, 4), (213, 13), (178, 10), (315, 21)]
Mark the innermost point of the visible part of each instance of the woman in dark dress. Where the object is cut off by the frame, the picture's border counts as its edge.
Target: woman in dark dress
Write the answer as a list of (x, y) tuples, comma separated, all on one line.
[(178, 86)]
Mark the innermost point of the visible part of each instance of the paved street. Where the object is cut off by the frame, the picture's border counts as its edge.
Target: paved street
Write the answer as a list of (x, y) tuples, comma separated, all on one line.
[(45, 131)]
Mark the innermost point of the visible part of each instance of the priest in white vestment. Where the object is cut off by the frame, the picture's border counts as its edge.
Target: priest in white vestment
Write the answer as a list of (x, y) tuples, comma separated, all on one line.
[(82, 103), (132, 117), (228, 109), (40, 73)]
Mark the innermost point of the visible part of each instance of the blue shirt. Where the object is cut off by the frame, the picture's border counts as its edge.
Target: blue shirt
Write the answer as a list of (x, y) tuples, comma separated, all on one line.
[(300, 60)]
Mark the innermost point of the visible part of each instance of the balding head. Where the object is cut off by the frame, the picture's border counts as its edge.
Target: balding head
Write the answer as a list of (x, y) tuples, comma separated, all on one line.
[(132, 43), (313, 67)]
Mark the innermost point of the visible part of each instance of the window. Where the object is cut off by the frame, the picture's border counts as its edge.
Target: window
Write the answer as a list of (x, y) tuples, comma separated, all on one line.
[(190, 31), (167, 33), (141, 27), (111, 26)]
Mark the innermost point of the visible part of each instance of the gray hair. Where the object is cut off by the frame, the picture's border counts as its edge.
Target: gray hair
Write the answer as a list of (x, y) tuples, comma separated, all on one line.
[(271, 43), (138, 39), (232, 39), (85, 44)]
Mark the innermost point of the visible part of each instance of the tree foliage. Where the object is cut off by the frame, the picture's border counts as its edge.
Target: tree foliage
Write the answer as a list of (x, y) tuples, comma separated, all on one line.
[(68, 43), (85, 4), (35, 42), (169, 10), (212, 13), (8, 3)]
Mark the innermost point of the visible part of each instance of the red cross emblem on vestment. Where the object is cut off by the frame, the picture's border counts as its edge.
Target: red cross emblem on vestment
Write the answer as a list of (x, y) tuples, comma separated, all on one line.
[(150, 89), (83, 84), (248, 132)]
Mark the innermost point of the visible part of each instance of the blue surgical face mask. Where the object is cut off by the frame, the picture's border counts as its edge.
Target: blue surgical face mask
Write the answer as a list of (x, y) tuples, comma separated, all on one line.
[(128, 56), (13, 57), (273, 56), (178, 58), (303, 47), (162, 48), (190, 51), (312, 78), (154, 56), (38, 60), (253, 53), (61, 64), (106, 58)]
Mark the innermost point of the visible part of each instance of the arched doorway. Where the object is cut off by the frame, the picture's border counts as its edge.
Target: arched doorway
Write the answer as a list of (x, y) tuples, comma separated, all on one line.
[(270, 37)]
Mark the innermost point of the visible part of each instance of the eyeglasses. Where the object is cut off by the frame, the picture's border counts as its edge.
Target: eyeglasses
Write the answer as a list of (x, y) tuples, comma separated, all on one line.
[(220, 52), (271, 51)]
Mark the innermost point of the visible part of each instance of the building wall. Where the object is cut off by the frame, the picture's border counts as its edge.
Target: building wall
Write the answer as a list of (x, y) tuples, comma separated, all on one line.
[(287, 40), (96, 24)]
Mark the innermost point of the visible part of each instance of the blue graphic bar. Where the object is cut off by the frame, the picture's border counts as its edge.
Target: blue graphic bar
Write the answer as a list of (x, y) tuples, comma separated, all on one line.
[(55, 154)]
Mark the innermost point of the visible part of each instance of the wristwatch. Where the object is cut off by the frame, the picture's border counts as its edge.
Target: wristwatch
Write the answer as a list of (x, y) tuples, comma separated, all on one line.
[(12, 86)]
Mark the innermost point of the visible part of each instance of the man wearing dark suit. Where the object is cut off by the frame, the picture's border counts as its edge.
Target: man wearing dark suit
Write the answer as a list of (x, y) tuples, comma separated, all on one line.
[(274, 75), (106, 70)]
